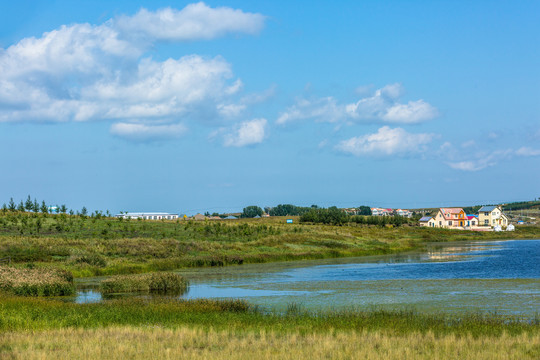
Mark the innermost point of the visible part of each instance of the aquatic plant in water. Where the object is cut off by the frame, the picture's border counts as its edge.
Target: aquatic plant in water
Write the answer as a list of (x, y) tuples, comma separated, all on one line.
[(162, 282)]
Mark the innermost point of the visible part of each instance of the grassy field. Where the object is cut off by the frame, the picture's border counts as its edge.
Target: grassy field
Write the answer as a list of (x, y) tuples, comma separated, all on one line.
[(107, 246), (33, 328), (197, 343)]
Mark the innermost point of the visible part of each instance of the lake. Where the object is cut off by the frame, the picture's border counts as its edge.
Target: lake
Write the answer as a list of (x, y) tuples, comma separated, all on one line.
[(501, 276)]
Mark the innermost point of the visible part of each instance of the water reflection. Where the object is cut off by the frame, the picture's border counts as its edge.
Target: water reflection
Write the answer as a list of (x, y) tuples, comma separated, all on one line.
[(496, 276)]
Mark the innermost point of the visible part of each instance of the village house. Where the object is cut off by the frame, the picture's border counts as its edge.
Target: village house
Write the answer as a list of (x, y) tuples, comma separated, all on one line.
[(199, 216), (381, 212), (428, 221), (451, 218), (492, 215), (472, 221), (404, 213)]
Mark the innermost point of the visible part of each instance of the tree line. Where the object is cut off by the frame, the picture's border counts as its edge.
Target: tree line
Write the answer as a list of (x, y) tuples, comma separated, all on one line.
[(35, 206)]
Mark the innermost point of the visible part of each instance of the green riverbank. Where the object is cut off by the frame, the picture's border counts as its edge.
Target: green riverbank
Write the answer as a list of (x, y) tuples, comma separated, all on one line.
[(106, 246)]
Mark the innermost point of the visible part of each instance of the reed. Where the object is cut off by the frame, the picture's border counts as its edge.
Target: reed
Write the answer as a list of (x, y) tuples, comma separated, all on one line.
[(36, 282), (162, 282)]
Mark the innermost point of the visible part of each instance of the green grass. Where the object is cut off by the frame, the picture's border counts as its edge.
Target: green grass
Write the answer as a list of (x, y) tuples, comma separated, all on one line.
[(154, 282), (93, 247), (39, 314)]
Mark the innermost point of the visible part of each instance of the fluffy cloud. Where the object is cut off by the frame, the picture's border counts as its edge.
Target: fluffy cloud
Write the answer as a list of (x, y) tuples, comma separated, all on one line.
[(194, 22), (85, 72), (382, 106), (246, 133), (385, 142), (144, 133)]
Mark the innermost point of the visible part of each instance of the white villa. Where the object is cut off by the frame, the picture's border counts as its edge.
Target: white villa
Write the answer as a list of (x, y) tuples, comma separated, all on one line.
[(491, 216)]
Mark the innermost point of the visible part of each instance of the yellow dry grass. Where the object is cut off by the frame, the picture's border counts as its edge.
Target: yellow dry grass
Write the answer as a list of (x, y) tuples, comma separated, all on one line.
[(194, 343)]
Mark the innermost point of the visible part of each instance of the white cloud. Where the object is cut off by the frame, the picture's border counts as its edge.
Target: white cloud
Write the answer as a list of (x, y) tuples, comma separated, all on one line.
[(472, 165), (382, 106), (325, 109), (246, 133), (385, 142), (143, 132), (527, 151), (468, 144), (194, 22), (475, 161), (85, 72), (410, 113)]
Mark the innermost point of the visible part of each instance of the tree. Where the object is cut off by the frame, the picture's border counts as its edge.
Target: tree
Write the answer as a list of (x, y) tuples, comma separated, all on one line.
[(44, 208), (11, 205), (36, 206), (63, 209), (364, 210), (252, 211), (84, 211), (21, 206), (29, 205)]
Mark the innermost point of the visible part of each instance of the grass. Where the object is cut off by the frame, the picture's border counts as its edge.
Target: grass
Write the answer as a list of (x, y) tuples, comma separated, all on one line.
[(36, 282), (25, 314), (198, 343), (32, 328), (93, 247), (154, 282)]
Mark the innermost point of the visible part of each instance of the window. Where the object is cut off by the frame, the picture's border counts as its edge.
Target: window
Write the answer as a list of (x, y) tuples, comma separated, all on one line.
[(486, 222), (449, 223), (486, 214), (440, 223)]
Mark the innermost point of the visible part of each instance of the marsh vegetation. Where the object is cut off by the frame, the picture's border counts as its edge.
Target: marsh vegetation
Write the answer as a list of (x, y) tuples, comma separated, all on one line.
[(97, 245)]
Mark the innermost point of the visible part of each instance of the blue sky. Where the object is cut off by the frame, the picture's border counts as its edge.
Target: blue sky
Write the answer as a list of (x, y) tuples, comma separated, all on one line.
[(187, 107)]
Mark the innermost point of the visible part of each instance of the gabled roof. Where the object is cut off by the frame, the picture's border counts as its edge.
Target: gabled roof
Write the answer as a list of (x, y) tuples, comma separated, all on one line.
[(451, 210), (448, 212), (488, 208), (470, 217), (426, 218)]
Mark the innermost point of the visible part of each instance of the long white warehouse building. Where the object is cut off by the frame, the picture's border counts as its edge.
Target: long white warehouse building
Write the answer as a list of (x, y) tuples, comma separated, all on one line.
[(148, 216)]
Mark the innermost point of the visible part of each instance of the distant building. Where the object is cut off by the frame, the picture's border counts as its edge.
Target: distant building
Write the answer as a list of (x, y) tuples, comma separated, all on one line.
[(492, 215), (148, 216), (428, 221), (381, 212), (404, 213), (230, 217), (199, 217)]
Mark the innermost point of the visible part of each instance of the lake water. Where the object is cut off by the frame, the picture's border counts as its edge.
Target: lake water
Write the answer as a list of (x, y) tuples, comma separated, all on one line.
[(502, 277)]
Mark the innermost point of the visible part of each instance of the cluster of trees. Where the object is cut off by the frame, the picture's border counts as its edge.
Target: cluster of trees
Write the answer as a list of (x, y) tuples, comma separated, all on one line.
[(331, 216), (252, 211), (311, 212), (335, 216), (289, 210)]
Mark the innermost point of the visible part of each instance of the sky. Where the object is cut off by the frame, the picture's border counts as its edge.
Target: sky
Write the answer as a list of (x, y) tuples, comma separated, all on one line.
[(212, 106)]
